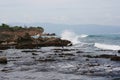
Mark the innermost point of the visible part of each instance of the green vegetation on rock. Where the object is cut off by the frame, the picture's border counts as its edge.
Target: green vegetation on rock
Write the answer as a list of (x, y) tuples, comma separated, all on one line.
[(14, 28)]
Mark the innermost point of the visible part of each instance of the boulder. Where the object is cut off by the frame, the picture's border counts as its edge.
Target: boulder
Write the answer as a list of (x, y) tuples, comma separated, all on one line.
[(3, 60)]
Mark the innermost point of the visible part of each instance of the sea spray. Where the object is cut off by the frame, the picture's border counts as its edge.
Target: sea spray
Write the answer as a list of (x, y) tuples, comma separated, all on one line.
[(73, 37), (69, 35)]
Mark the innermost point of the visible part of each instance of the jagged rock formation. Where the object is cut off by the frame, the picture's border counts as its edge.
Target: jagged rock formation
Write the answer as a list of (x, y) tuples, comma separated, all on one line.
[(12, 32), (21, 38)]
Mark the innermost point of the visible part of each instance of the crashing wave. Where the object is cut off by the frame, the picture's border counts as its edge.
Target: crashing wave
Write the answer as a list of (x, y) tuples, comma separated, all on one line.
[(71, 36), (107, 46)]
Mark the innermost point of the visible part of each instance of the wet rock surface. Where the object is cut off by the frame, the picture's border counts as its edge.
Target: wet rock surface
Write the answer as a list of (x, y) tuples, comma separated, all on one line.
[(56, 63), (112, 57), (3, 60)]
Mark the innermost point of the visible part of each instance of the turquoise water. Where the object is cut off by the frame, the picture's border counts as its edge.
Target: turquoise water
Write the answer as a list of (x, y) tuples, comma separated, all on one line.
[(101, 41), (113, 39), (106, 39)]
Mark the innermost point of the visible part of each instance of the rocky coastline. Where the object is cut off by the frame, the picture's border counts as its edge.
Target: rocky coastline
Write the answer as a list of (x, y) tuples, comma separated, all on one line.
[(28, 38), (35, 55)]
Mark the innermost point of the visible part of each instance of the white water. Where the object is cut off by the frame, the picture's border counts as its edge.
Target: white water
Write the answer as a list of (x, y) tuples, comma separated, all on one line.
[(71, 36), (107, 46), (83, 35)]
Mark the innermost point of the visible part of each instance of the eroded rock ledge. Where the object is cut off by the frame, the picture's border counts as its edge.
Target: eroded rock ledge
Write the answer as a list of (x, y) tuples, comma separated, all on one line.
[(28, 38)]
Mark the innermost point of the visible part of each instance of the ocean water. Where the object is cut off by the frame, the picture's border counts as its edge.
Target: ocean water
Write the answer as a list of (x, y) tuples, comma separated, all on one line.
[(100, 41)]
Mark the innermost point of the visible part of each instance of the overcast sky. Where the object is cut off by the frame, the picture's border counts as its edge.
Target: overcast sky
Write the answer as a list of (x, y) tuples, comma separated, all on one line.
[(103, 12)]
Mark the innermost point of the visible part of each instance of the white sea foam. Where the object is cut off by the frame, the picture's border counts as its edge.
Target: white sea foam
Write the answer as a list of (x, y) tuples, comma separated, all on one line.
[(69, 35), (107, 46), (83, 36), (73, 37)]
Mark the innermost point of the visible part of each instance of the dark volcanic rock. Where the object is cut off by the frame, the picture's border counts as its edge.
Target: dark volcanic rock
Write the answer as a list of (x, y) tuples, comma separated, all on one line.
[(118, 51), (55, 42), (79, 52), (64, 49), (105, 56), (100, 56), (34, 54), (31, 51), (115, 58), (3, 60), (112, 57), (46, 59), (66, 54)]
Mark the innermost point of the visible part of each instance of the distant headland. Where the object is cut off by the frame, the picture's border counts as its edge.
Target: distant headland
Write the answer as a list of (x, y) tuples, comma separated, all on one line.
[(28, 37)]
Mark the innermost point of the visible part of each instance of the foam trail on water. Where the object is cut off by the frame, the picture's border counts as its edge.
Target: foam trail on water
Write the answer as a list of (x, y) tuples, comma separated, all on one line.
[(83, 36), (107, 47), (71, 36)]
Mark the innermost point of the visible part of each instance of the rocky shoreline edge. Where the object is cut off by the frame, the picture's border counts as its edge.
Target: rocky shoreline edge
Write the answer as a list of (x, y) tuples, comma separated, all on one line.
[(19, 37), (50, 42)]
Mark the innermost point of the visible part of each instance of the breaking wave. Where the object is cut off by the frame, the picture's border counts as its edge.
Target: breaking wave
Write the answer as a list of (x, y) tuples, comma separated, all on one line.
[(107, 46), (71, 36)]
